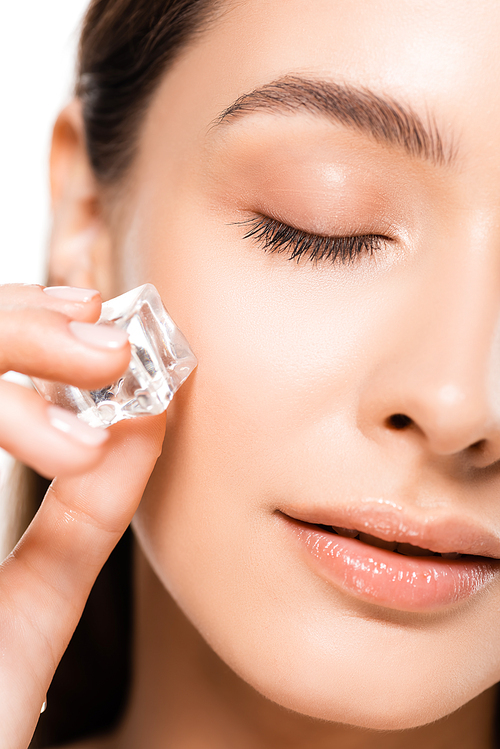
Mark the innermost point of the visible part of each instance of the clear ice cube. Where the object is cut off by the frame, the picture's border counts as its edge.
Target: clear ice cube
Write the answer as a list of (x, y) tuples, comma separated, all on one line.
[(161, 360)]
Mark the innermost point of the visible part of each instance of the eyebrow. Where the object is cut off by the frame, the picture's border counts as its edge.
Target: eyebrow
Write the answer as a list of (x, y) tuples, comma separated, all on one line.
[(380, 117)]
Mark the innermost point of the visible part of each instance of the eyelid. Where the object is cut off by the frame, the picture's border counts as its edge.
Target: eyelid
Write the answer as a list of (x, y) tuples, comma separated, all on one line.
[(277, 237)]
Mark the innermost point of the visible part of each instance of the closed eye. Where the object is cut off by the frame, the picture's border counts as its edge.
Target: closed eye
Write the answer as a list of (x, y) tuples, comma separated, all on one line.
[(275, 236)]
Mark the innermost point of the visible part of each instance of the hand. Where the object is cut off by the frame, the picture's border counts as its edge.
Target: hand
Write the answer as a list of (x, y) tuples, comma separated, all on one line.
[(101, 476)]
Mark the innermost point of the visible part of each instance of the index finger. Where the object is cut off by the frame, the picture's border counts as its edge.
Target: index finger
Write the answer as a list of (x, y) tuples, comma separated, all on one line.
[(75, 303)]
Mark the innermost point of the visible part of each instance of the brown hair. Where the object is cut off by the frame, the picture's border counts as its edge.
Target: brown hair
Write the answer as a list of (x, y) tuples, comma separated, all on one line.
[(125, 47)]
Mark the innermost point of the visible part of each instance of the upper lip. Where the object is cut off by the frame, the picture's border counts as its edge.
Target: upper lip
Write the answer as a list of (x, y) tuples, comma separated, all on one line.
[(438, 531)]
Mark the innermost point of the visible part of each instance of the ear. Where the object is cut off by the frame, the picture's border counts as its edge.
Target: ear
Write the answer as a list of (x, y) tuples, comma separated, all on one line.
[(80, 244)]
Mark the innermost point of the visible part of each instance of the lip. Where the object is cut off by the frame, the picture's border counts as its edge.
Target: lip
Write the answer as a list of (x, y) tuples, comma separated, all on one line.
[(389, 579), (438, 531)]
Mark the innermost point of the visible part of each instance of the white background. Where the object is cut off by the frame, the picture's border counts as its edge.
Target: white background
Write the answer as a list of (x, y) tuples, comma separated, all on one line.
[(38, 40)]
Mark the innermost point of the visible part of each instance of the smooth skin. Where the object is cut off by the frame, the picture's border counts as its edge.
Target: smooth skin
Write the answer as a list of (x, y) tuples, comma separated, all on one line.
[(238, 642)]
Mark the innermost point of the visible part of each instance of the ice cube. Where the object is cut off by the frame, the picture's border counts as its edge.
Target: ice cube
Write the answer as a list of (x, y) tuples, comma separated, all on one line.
[(161, 360)]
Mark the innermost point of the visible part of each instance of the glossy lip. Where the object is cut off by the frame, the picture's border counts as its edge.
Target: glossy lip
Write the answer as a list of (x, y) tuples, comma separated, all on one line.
[(389, 579), (440, 532)]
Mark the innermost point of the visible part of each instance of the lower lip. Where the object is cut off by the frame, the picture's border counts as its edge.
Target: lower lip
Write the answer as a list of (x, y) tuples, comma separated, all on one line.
[(388, 579)]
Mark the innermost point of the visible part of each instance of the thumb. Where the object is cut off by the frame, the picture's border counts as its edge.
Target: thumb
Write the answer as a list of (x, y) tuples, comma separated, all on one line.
[(45, 582)]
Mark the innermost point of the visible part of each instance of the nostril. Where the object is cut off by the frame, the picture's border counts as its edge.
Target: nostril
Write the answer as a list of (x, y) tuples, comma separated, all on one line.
[(478, 446), (399, 421)]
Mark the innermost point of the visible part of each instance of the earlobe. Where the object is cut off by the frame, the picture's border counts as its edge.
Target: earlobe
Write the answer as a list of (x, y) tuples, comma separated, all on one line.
[(80, 242)]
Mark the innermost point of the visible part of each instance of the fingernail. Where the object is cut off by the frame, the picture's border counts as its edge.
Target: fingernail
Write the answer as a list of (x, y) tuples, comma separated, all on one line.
[(68, 423), (71, 293), (101, 336)]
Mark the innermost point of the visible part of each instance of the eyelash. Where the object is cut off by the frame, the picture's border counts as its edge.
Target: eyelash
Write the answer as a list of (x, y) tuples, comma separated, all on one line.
[(275, 236)]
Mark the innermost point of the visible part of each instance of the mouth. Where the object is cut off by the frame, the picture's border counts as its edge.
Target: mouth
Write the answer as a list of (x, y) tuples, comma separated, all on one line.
[(372, 558), (409, 550)]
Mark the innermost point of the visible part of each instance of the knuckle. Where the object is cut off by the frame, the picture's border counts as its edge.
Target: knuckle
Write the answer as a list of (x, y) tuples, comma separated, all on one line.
[(100, 520)]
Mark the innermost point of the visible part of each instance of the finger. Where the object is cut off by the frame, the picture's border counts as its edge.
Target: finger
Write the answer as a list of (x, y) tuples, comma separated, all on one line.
[(78, 304), (52, 441), (43, 343), (46, 581)]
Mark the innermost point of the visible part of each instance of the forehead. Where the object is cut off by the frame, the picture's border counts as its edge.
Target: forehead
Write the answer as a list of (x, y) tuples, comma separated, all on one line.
[(439, 58), (429, 46)]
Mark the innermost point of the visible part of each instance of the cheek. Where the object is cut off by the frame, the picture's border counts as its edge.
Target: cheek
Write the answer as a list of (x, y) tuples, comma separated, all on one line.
[(283, 352), (278, 370)]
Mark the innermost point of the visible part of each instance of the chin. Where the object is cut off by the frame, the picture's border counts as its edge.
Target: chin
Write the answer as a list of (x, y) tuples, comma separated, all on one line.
[(370, 687), (385, 707)]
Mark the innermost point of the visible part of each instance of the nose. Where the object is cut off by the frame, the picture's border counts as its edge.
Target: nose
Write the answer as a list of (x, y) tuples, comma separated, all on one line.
[(439, 372)]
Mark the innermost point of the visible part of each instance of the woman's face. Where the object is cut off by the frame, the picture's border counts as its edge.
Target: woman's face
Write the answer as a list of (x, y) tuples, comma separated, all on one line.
[(361, 391)]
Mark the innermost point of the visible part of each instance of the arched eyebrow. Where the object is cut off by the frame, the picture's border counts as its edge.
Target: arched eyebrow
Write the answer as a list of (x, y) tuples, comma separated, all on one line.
[(380, 117)]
